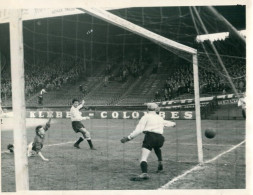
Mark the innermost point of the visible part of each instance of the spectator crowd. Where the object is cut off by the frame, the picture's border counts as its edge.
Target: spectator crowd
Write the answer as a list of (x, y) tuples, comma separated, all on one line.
[(53, 75), (50, 76), (135, 68), (180, 81)]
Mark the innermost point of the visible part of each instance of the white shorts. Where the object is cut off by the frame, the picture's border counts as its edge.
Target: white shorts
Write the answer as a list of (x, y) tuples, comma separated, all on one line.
[(30, 152)]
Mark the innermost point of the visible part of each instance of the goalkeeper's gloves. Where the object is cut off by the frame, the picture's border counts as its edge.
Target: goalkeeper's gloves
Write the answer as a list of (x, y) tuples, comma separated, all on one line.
[(125, 139)]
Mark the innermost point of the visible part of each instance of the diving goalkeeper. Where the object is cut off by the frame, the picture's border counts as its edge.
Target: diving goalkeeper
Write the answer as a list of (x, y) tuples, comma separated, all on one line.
[(36, 146)]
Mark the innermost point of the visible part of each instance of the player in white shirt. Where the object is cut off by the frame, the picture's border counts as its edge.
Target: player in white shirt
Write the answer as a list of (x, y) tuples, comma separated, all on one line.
[(242, 103), (76, 118), (40, 97), (152, 126)]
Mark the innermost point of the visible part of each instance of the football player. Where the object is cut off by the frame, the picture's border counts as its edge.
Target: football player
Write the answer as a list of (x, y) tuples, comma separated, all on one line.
[(242, 103), (36, 146), (78, 127), (152, 126), (40, 97)]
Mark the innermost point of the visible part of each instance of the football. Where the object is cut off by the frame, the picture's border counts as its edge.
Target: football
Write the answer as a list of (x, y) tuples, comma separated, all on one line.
[(210, 133)]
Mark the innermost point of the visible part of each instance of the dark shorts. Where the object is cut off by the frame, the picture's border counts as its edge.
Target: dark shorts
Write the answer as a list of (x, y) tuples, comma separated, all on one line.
[(77, 125), (244, 113), (152, 140), (37, 147)]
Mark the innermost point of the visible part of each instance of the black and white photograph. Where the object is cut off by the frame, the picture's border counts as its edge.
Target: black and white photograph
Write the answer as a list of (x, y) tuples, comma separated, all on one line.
[(132, 96)]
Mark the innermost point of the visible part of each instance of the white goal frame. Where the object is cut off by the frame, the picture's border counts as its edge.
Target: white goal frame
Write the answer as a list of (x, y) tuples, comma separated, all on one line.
[(113, 19), (18, 83)]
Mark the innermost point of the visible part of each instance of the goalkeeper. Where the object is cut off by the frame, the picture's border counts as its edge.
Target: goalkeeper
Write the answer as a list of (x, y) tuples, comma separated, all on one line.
[(36, 146), (152, 126)]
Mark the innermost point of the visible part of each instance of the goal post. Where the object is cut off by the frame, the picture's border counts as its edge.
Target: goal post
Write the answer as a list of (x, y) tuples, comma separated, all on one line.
[(197, 107), (18, 101), (163, 41), (18, 83)]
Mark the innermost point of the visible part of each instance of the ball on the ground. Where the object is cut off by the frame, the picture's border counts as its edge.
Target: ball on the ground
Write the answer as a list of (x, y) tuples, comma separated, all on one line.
[(210, 133)]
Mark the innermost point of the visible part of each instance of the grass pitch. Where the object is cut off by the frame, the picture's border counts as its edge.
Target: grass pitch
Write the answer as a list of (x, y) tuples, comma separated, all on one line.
[(113, 163)]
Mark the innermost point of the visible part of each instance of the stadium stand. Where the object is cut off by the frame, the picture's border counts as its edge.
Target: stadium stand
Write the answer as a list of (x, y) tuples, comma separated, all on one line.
[(128, 81), (102, 90), (112, 92), (226, 112)]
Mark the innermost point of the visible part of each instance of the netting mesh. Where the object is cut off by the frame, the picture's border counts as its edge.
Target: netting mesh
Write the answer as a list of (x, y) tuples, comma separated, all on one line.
[(62, 52), (234, 65), (82, 46), (223, 58)]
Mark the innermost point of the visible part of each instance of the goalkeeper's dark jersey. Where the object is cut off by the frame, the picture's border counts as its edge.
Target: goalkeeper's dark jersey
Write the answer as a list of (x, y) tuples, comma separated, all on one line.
[(39, 141)]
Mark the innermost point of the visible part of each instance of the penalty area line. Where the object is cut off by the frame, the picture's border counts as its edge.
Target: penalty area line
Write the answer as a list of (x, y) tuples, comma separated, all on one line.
[(198, 167)]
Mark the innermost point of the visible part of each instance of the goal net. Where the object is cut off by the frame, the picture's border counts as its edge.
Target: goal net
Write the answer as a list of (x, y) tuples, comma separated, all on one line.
[(123, 58)]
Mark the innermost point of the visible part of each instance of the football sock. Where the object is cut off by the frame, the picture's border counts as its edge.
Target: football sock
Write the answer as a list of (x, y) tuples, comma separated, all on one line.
[(160, 166), (144, 167), (158, 153), (79, 141), (90, 143)]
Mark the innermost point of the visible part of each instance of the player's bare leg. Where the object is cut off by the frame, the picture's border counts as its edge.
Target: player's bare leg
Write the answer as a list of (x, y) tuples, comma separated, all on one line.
[(29, 150)]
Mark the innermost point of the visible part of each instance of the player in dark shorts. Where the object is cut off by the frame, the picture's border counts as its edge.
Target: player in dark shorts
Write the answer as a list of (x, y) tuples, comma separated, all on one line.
[(78, 127), (152, 126), (36, 146)]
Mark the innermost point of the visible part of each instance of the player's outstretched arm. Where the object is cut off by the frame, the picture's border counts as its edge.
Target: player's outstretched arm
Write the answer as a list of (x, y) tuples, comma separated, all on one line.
[(81, 105), (49, 121), (43, 158), (124, 140), (169, 123), (48, 124), (85, 118), (83, 102), (139, 129)]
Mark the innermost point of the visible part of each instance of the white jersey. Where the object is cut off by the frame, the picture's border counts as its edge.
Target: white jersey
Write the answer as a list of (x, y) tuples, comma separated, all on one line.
[(242, 103), (75, 113), (42, 91), (151, 122)]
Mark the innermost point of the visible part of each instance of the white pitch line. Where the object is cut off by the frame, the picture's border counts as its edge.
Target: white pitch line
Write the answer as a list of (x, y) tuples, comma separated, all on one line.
[(58, 144), (63, 143), (197, 167), (221, 154), (5, 152), (49, 145), (167, 143)]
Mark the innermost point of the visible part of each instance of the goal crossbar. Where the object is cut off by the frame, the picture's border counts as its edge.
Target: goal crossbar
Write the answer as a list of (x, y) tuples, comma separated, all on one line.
[(18, 97), (120, 22)]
